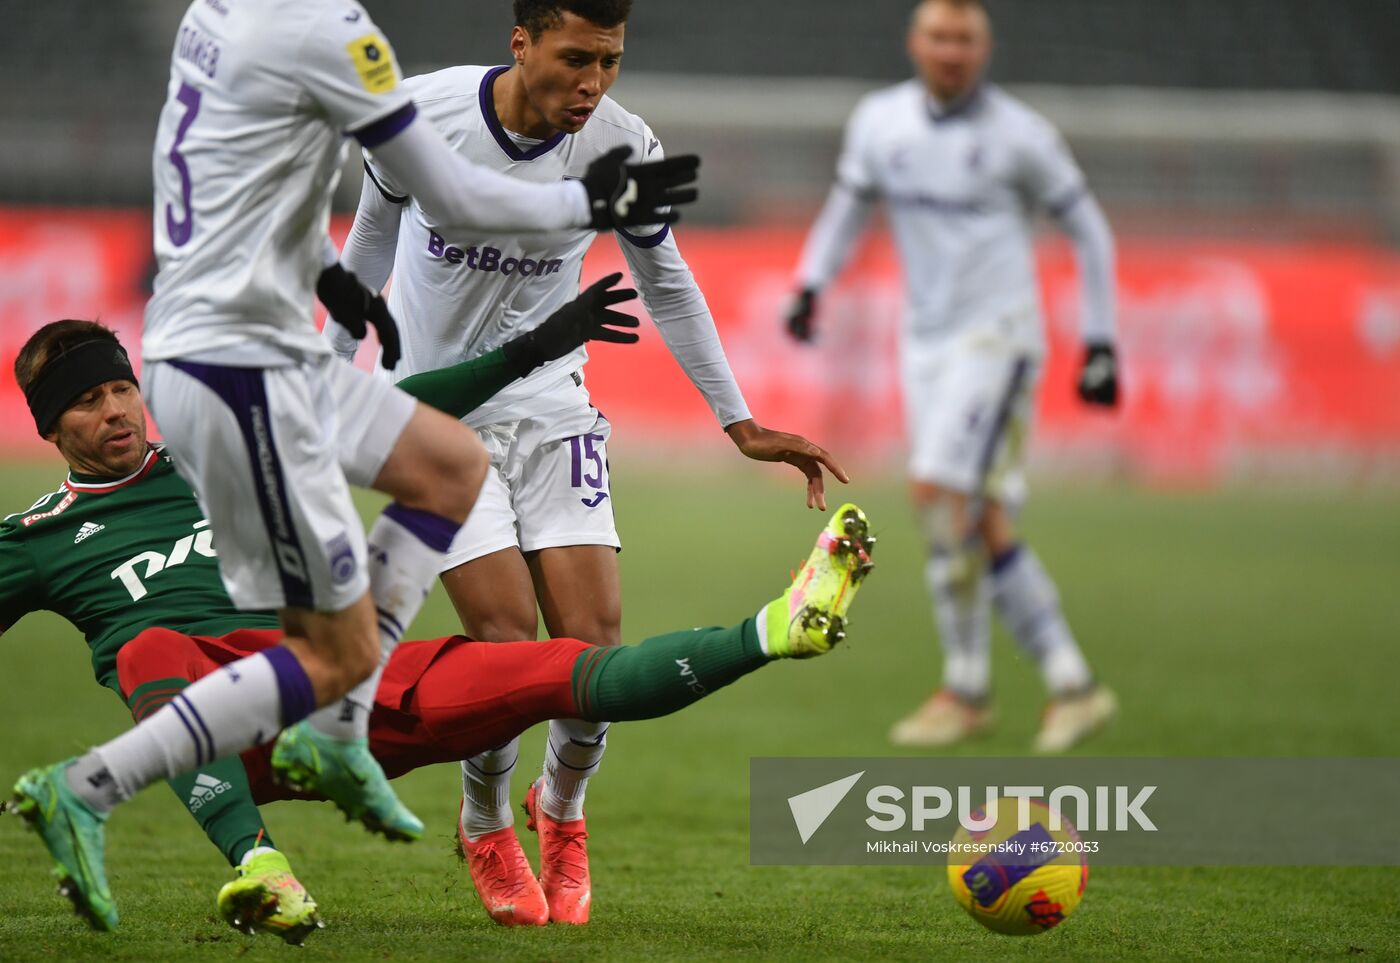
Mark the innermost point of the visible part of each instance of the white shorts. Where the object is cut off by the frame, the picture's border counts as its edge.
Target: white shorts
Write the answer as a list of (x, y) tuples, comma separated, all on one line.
[(547, 487), (269, 452), (968, 409)]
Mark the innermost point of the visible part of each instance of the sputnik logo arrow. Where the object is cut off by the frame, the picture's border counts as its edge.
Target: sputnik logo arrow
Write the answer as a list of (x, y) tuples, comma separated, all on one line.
[(811, 808)]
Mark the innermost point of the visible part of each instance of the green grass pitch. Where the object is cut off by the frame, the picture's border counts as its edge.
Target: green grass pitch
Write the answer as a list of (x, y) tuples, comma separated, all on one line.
[(1230, 624)]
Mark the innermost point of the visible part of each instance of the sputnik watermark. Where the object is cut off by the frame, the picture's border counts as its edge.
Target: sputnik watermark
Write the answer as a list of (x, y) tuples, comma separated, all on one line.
[(1102, 808), (1114, 809), (1274, 811), (1006, 847)]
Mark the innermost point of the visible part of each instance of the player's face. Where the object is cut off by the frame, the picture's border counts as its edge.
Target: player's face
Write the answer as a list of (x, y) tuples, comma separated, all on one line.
[(949, 46), (567, 69), (103, 433)]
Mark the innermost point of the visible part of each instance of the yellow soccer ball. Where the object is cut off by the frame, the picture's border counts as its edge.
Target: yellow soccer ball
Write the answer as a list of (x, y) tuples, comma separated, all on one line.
[(1029, 880)]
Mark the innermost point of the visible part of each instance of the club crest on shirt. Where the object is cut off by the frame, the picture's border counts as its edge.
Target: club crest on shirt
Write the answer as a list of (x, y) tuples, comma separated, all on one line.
[(344, 565), (373, 62)]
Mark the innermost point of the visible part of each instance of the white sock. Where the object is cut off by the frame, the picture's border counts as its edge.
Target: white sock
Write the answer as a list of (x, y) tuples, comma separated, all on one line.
[(760, 624), (573, 754), (962, 610), (241, 705), (348, 717), (486, 790), (1028, 602), (404, 559)]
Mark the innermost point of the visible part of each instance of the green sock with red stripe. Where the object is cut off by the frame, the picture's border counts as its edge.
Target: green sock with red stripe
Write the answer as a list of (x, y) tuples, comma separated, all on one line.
[(663, 673), (218, 795)]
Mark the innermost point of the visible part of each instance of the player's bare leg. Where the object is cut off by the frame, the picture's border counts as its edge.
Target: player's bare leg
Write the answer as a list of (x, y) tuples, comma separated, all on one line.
[(579, 591), (495, 599), (580, 596)]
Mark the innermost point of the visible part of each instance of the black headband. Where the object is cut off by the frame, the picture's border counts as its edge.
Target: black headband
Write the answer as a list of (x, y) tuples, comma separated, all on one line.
[(65, 378)]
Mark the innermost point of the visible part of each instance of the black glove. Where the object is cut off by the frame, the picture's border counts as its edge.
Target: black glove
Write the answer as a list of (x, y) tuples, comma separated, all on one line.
[(1098, 378), (585, 318), (352, 305), (799, 315), (620, 193)]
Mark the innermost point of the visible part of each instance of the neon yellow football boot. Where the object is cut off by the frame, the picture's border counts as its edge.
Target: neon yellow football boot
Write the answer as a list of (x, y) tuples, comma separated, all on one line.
[(810, 618), (267, 898)]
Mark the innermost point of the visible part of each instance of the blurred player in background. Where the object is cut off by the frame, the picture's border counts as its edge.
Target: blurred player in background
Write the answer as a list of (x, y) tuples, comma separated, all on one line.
[(543, 532), (962, 168), (269, 429)]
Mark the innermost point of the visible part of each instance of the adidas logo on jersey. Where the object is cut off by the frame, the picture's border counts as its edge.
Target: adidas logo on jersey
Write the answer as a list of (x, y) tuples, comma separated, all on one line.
[(89, 528), (206, 787)]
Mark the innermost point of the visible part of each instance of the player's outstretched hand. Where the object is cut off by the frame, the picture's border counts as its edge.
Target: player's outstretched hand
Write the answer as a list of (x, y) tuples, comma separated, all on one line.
[(587, 317), (799, 315), (622, 194), (354, 306), (1098, 378), (761, 444)]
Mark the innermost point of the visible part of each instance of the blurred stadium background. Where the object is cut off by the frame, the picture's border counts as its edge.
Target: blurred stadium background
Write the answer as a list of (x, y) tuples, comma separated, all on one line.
[(1248, 154)]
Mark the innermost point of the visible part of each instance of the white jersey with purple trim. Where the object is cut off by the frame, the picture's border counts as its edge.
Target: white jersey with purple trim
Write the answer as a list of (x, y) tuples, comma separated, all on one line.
[(247, 153), (961, 186), (459, 293)]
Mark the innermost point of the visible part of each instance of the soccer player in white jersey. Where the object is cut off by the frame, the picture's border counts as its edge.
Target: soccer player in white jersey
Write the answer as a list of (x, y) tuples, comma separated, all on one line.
[(542, 531), (962, 167), (269, 429)]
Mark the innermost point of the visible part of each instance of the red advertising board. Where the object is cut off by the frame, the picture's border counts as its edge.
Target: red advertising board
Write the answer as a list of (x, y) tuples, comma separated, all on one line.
[(1232, 351)]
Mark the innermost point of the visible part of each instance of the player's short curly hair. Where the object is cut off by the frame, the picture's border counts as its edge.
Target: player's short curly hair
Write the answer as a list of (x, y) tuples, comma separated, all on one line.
[(52, 340), (537, 16)]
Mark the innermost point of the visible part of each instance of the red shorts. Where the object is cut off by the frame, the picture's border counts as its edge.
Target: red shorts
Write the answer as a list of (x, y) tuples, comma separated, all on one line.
[(439, 701)]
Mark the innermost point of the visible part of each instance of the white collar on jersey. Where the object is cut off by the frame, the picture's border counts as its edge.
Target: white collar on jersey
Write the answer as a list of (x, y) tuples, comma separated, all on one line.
[(72, 484)]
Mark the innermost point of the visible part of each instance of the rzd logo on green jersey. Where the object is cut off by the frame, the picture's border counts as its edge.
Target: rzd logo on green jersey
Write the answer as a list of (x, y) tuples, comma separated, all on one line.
[(153, 563)]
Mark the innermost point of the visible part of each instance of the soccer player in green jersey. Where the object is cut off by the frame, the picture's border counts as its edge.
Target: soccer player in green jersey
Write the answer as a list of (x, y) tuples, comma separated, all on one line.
[(122, 547)]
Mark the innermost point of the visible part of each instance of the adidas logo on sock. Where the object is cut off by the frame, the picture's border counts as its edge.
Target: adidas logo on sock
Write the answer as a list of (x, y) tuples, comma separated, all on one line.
[(89, 528), (206, 787)]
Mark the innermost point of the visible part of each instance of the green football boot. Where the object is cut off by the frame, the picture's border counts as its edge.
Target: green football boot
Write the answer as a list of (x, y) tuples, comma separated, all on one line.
[(345, 773), (267, 898), (74, 834), (810, 617)]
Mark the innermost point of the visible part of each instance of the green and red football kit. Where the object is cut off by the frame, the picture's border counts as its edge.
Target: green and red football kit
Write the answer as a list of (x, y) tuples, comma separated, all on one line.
[(446, 699), (132, 563)]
